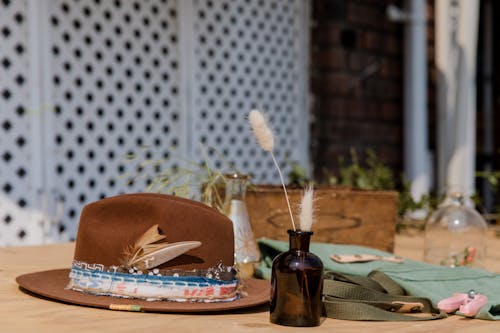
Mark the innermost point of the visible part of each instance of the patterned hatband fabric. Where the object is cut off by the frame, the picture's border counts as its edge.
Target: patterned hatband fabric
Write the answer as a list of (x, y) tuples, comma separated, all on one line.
[(93, 279)]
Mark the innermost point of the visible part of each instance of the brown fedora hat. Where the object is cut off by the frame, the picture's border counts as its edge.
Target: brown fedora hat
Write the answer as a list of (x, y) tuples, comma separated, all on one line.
[(108, 226)]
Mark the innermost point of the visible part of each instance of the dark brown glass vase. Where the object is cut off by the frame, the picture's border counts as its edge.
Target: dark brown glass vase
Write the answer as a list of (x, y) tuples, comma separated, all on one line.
[(297, 284)]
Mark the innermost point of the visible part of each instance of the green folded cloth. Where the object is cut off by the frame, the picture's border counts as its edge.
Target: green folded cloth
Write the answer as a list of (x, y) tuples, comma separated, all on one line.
[(417, 278)]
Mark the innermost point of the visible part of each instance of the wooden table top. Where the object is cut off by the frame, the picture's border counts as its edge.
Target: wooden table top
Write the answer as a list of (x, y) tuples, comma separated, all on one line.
[(20, 312)]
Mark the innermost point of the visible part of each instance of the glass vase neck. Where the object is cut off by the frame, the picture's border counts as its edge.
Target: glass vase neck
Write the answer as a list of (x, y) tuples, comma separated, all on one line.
[(299, 240), (456, 199), (236, 184)]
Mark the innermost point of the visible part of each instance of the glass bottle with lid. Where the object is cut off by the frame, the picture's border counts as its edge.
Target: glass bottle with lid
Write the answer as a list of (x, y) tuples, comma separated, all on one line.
[(246, 252), (455, 234)]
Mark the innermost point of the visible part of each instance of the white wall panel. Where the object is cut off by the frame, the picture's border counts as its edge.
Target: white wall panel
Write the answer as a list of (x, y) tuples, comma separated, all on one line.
[(248, 54), (115, 90), (20, 217), (85, 84)]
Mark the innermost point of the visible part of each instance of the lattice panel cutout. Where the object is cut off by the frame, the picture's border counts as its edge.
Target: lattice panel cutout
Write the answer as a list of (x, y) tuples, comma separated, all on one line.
[(115, 92), (19, 222), (247, 55), (112, 86)]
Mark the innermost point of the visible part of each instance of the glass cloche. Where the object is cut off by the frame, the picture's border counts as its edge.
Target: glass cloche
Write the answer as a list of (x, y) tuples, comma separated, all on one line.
[(455, 234)]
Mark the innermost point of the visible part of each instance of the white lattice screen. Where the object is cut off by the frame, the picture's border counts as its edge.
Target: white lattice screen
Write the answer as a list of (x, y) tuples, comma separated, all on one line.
[(84, 84), (247, 54), (18, 221)]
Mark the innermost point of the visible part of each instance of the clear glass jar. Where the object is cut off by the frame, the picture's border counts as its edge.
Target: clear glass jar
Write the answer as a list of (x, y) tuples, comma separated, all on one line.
[(455, 234), (246, 252)]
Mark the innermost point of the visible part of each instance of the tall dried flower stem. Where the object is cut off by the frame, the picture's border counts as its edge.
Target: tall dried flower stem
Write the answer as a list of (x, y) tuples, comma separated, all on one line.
[(284, 190), (265, 138)]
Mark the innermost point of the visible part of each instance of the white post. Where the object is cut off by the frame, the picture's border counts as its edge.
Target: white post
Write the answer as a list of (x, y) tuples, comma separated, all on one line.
[(461, 166), (445, 87), (416, 154), (456, 44), (40, 222)]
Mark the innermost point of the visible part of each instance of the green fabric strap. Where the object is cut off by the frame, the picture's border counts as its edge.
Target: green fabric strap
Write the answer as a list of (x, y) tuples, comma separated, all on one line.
[(364, 281), (376, 297), (389, 285)]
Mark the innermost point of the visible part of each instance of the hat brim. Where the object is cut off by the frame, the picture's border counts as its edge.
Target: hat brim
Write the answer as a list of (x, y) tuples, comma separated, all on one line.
[(51, 284)]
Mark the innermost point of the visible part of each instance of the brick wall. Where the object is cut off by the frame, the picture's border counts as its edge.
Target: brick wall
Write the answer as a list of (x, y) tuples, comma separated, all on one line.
[(357, 82)]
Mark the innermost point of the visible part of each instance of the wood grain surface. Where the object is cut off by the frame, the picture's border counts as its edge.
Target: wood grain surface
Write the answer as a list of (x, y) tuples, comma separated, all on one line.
[(20, 312)]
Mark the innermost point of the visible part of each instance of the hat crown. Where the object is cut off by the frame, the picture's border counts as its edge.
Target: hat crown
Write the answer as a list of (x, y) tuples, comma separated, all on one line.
[(108, 226)]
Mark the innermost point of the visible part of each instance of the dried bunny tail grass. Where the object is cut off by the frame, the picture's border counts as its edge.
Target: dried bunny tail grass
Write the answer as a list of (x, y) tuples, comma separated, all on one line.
[(265, 138), (263, 133), (284, 190), (306, 214)]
